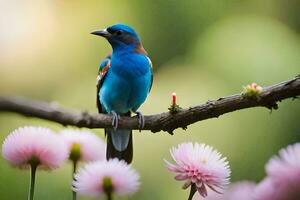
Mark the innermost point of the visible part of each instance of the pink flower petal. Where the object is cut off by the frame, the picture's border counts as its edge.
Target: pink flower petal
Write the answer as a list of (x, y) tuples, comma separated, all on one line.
[(202, 190), (29, 142), (181, 177)]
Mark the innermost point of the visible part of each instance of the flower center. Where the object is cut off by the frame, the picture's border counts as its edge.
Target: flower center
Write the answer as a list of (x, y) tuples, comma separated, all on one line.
[(34, 161), (107, 185), (75, 152)]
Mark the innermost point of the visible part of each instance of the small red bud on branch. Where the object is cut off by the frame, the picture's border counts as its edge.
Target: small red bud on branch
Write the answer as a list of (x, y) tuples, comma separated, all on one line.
[(174, 108), (174, 99)]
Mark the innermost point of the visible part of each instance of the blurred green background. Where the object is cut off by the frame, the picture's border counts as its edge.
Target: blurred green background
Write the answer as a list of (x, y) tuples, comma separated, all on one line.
[(201, 49)]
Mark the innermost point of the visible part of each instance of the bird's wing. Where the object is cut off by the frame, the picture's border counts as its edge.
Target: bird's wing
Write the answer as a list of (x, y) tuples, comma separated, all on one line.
[(103, 69), (151, 68)]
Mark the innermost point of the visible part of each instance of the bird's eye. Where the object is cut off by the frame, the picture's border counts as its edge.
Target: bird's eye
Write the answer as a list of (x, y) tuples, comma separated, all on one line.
[(119, 32)]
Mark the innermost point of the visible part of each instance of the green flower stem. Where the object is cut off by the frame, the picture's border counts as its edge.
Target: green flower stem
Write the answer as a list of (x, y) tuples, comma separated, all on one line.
[(75, 157), (74, 194), (108, 187), (109, 196), (193, 191), (33, 168)]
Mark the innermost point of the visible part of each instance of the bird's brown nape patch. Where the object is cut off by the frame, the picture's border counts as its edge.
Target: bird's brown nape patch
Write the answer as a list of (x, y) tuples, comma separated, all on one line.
[(106, 67), (104, 70), (140, 50)]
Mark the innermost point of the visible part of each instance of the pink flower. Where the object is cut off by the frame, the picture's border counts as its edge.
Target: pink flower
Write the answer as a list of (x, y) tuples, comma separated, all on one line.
[(252, 90), (28, 144), (91, 179), (287, 164), (254, 86), (238, 191), (85, 144), (283, 180), (201, 165)]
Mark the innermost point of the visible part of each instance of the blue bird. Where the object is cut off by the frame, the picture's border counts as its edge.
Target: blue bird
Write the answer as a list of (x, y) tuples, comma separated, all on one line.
[(123, 83)]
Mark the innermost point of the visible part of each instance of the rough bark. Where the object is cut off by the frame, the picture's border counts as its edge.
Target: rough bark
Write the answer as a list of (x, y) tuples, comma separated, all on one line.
[(166, 121)]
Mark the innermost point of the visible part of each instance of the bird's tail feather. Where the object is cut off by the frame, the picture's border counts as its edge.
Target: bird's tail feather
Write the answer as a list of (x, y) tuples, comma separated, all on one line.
[(119, 145)]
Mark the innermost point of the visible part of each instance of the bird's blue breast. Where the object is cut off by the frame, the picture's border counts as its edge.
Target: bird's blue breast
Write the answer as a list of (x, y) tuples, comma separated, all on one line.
[(127, 83)]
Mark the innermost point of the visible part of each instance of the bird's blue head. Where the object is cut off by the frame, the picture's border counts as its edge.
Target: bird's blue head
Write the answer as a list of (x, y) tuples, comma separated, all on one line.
[(120, 36)]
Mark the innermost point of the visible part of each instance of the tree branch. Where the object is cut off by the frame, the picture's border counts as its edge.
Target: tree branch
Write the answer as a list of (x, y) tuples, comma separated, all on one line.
[(160, 122)]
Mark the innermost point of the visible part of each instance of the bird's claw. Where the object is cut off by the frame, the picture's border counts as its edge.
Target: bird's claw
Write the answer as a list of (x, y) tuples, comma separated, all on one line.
[(115, 120), (141, 120)]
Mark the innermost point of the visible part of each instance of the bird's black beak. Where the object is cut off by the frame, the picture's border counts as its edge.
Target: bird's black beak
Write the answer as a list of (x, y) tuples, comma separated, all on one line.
[(103, 33)]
